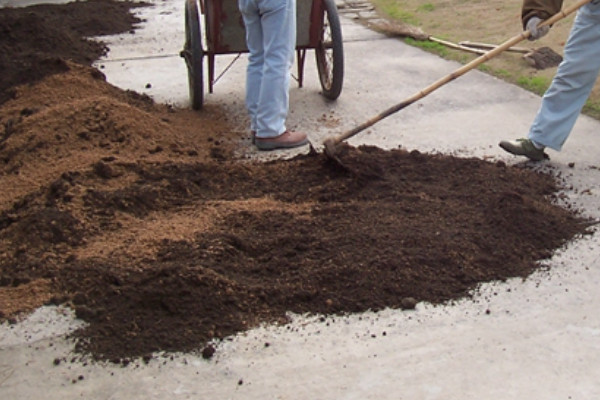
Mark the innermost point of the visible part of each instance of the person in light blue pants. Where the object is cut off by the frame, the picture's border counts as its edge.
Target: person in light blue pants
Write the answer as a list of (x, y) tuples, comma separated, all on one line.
[(271, 40), (570, 88)]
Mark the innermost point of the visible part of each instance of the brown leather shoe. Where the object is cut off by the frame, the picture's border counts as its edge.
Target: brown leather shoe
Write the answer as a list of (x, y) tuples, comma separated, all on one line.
[(286, 140)]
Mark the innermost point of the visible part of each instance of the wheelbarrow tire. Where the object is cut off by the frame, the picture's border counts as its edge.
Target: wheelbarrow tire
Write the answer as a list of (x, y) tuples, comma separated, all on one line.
[(194, 54), (329, 52)]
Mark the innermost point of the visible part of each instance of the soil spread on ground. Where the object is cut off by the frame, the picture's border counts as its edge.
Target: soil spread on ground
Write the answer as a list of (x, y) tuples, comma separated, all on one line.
[(139, 216)]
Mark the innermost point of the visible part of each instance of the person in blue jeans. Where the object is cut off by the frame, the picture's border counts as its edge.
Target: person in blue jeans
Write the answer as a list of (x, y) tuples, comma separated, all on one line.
[(572, 84), (271, 40)]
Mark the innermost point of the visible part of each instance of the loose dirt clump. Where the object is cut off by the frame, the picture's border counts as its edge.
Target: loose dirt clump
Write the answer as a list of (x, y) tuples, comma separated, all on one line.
[(119, 208), (543, 58)]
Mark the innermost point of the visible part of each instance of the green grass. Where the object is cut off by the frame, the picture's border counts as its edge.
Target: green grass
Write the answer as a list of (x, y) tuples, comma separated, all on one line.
[(502, 73), (592, 109), (498, 73), (485, 68), (430, 46), (393, 10), (535, 84), (427, 7)]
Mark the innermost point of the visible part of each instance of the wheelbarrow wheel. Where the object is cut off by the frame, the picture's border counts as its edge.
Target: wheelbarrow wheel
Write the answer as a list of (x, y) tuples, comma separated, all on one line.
[(193, 54), (329, 52)]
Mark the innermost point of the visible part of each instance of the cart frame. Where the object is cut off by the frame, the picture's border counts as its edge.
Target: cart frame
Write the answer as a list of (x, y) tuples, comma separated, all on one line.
[(318, 28)]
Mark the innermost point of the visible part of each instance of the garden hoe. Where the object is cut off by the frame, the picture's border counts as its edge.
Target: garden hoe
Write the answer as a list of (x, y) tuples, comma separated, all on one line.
[(331, 143)]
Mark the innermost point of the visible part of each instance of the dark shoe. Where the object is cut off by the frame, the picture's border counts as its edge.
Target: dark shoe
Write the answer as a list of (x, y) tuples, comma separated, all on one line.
[(286, 140), (524, 147)]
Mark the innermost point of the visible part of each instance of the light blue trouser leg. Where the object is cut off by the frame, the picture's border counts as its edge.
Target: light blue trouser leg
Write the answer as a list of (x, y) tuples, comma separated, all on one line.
[(271, 40), (573, 82)]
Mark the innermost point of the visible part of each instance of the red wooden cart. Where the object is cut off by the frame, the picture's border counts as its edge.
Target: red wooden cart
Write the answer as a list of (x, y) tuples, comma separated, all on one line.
[(318, 28)]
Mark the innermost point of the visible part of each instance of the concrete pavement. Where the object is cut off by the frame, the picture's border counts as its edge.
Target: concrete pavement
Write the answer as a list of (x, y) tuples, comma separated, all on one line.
[(532, 339)]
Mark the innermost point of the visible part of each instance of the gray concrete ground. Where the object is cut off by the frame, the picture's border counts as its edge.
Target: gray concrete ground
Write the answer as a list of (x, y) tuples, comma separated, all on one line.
[(532, 339)]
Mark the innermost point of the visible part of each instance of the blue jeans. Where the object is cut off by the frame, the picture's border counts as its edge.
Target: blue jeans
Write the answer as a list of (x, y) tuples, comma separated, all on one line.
[(573, 82), (271, 41)]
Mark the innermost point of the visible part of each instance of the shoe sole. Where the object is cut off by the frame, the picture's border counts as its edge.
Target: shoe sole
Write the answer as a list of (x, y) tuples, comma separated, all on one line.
[(274, 146)]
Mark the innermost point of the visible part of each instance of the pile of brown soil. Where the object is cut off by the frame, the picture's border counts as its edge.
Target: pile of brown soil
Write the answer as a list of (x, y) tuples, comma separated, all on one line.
[(34, 40), (139, 217)]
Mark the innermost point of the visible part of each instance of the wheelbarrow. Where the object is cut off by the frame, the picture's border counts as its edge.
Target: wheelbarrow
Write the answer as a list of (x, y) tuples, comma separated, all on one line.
[(318, 28)]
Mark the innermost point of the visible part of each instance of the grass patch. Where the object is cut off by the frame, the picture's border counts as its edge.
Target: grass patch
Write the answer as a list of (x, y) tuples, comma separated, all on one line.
[(502, 73), (428, 45), (592, 109), (393, 10), (485, 68), (427, 7), (497, 72), (535, 84)]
